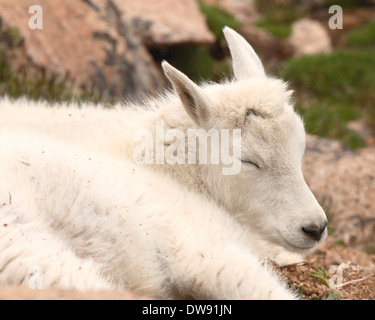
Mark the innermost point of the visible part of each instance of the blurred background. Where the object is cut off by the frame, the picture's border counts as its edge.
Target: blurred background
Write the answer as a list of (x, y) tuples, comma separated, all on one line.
[(108, 50)]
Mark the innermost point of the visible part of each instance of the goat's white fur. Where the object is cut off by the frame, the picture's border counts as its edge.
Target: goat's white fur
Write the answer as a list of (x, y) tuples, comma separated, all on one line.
[(73, 202)]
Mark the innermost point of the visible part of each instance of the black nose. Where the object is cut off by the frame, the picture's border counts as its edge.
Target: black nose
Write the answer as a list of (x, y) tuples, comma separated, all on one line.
[(314, 231)]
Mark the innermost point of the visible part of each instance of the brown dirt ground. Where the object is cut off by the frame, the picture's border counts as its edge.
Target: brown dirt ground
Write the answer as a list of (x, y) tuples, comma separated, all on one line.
[(357, 269)]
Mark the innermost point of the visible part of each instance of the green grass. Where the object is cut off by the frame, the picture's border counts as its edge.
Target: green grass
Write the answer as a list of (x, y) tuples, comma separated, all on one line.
[(34, 83), (277, 29), (363, 37), (344, 75), (277, 18), (39, 86), (12, 36), (217, 18), (199, 62), (333, 90), (330, 121)]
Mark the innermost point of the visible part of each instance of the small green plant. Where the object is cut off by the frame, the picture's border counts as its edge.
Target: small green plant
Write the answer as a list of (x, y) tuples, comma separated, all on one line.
[(340, 243), (321, 274), (370, 248)]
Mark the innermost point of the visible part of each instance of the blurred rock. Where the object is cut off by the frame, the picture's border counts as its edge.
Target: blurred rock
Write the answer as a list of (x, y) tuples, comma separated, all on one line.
[(243, 10), (363, 130), (165, 22), (344, 183), (309, 37), (78, 44)]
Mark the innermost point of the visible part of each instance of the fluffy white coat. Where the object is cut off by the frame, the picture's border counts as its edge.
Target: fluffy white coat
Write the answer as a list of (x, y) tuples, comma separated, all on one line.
[(74, 204)]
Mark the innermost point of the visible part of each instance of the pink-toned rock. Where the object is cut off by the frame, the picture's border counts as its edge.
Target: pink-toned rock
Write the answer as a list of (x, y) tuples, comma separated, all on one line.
[(365, 131), (165, 22), (309, 37), (344, 183), (78, 43)]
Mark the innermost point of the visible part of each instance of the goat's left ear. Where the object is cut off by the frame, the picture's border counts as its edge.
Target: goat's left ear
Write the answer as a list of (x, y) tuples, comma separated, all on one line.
[(194, 100), (246, 63)]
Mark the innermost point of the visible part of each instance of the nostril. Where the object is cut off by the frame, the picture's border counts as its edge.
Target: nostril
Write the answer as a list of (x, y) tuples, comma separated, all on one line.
[(314, 232)]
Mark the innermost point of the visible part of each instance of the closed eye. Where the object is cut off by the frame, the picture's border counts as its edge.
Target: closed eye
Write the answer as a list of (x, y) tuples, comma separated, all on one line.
[(248, 162)]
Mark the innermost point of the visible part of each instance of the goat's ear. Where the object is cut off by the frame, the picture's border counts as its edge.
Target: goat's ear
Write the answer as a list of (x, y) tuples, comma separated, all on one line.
[(246, 63), (194, 100)]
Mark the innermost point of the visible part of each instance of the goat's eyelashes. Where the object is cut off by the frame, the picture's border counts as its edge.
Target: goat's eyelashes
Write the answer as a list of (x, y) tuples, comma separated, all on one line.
[(251, 163)]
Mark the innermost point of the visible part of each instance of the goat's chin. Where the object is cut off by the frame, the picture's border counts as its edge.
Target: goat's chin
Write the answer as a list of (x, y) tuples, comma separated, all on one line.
[(295, 246), (302, 250)]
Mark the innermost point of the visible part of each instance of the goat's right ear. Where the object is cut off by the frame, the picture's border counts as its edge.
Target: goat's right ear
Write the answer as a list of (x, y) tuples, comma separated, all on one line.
[(246, 63), (194, 100)]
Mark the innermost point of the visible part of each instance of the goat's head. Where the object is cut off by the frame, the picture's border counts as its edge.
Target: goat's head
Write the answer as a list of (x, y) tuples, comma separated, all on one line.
[(268, 193)]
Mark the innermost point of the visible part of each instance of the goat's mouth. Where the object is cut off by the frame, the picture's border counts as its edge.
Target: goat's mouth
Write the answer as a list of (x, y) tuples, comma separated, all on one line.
[(298, 248), (301, 248)]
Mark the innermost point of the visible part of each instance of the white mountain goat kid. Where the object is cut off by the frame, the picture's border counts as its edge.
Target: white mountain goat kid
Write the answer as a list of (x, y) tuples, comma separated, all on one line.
[(77, 205)]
